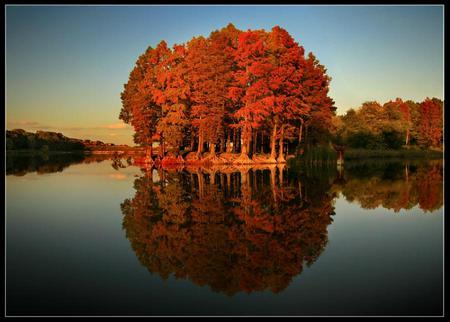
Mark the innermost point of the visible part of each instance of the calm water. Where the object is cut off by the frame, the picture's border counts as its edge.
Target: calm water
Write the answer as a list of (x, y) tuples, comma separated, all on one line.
[(103, 237)]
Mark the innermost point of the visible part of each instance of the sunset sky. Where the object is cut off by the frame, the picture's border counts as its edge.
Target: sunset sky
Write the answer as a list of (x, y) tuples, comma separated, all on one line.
[(66, 65)]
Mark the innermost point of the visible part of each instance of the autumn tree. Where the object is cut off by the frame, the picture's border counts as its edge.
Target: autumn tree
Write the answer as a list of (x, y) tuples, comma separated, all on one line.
[(138, 104), (315, 88), (431, 121), (286, 101), (231, 87), (414, 116), (209, 65), (172, 94), (250, 87)]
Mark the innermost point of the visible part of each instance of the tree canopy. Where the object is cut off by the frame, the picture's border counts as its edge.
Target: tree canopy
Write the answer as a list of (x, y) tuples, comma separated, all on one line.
[(243, 92)]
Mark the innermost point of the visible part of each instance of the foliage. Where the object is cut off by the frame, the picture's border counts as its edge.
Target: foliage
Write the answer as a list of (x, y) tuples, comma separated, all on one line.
[(233, 88), (392, 125), (44, 141)]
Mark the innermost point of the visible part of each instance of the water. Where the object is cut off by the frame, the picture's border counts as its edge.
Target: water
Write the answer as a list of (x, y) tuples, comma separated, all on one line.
[(93, 236)]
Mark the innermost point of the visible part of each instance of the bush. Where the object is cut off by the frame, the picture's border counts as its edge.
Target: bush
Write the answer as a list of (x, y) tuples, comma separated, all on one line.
[(392, 140), (363, 140), (319, 154)]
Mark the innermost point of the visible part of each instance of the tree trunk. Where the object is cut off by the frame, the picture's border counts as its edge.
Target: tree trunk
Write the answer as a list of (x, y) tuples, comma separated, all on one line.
[(229, 144), (222, 145), (150, 149), (246, 136), (235, 140), (212, 151), (192, 142), (407, 136), (244, 146), (281, 146), (200, 142), (273, 143), (161, 147), (306, 132), (262, 143), (300, 132), (238, 140)]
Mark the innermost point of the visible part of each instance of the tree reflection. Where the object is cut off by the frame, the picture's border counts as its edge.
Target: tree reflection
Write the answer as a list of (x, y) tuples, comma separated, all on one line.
[(234, 229), (20, 164), (395, 186)]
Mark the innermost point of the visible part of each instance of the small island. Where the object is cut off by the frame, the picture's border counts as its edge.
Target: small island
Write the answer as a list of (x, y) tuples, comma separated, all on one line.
[(254, 97)]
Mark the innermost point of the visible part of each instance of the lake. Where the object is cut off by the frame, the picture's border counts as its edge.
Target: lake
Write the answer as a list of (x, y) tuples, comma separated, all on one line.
[(98, 236)]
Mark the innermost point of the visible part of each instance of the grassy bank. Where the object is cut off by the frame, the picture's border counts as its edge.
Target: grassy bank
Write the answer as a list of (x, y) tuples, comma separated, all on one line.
[(319, 155)]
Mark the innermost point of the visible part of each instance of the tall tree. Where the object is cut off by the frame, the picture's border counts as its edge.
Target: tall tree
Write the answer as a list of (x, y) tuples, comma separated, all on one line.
[(172, 93), (400, 117), (209, 63), (250, 88), (138, 105), (431, 121), (288, 108), (315, 85)]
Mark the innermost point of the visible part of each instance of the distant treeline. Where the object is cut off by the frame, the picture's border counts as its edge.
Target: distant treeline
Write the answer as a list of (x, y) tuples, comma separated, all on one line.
[(393, 125), (43, 141)]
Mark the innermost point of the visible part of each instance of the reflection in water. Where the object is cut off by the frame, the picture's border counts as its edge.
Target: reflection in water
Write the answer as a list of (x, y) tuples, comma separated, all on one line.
[(252, 229), (394, 186), (247, 230), (21, 164)]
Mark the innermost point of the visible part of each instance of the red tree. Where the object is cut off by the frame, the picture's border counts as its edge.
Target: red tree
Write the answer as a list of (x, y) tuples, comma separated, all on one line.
[(430, 129)]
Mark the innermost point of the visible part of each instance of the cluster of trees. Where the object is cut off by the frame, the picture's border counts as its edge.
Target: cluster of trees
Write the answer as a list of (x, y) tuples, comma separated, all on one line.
[(242, 92), (392, 125), (234, 230), (19, 139)]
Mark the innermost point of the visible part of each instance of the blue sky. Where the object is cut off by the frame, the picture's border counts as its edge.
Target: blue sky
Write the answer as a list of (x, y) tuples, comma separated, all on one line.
[(66, 65)]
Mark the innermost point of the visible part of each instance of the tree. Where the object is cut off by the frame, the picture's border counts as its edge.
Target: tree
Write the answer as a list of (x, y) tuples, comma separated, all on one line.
[(232, 86), (138, 105), (286, 102), (250, 88), (209, 64), (172, 93), (414, 115), (315, 83), (430, 128)]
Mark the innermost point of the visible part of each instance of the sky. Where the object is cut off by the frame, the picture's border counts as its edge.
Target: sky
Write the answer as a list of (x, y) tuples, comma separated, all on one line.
[(66, 65)]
